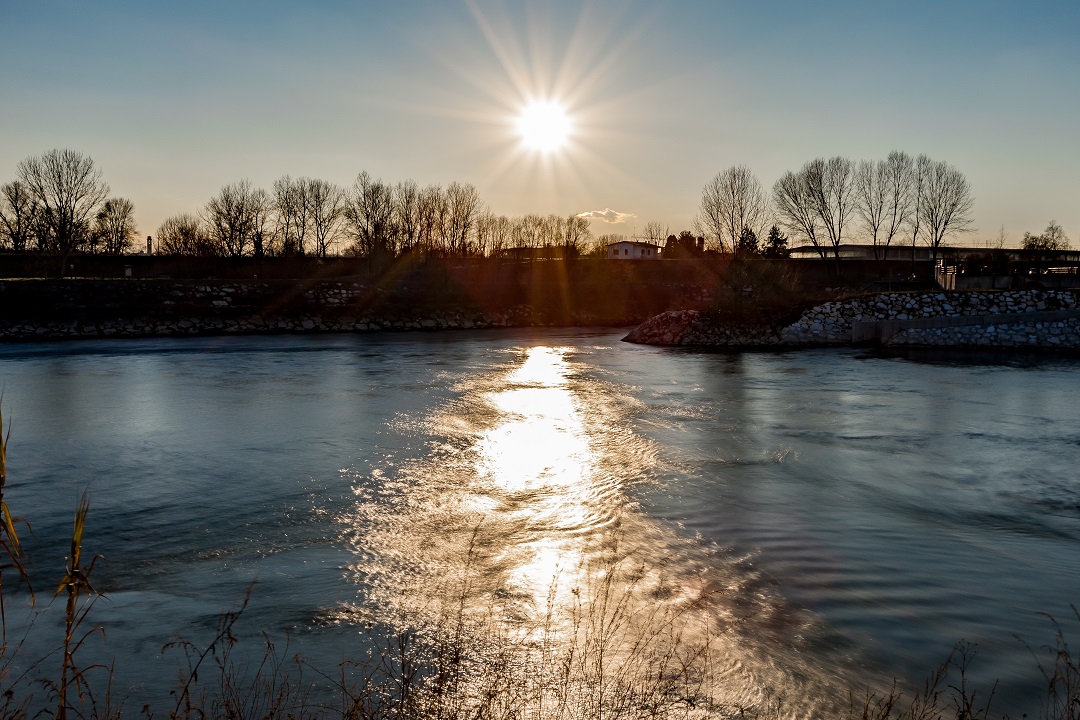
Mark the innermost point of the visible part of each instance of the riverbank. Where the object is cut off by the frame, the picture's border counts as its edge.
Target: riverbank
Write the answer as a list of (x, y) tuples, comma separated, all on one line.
[(270, 324), (620, 296), (984, 319)]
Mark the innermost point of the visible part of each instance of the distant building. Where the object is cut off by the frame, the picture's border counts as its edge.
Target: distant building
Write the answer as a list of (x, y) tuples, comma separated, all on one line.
[(632, 250)]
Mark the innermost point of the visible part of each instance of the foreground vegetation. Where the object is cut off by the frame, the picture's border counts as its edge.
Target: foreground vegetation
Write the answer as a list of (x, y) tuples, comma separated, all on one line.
[(614, 653)]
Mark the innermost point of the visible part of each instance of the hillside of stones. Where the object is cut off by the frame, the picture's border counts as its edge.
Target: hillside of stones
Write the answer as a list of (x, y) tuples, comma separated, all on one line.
[(1041, 318)]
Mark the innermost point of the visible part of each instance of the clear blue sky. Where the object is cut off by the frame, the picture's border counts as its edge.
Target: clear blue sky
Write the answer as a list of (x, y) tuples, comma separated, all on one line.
[(174, 100)]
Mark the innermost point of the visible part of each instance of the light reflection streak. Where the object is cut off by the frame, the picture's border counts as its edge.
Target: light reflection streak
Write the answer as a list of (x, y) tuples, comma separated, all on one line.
[(539, 460), (521, 520)]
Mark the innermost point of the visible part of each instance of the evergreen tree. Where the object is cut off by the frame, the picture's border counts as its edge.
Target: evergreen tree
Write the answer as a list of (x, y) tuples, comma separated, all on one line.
[(775, 243)]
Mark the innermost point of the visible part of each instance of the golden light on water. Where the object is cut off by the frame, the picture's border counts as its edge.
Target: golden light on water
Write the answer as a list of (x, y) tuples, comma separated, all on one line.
[(538, 460), (518, 518)]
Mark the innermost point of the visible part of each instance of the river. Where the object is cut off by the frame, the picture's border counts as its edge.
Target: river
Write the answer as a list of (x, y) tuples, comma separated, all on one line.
[(819, 520)]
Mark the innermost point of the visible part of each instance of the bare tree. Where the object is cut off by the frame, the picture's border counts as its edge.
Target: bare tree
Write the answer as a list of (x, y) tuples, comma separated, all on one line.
[(236, 217), (68, 189), (946, 206), (731, 201), (884, 198), (998, 242), (184, 234), (531, 231), (655, 232), (576, 234), (484, 233), (494, 233), (463, 205), (260, 208), (431, 217), (290, 207), (871, 197), (115, 225), (551, 230), (407, 214), (831, 184), (326, 206), (1052, 238), (919, 172), (795, 211), (19, 215), (369, 214), (899, 178)]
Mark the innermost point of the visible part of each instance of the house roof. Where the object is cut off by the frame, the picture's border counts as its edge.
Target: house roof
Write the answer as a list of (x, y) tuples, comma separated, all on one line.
[(636, 243)]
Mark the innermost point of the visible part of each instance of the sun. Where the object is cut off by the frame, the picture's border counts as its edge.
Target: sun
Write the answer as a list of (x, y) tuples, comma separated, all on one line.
[(544, 126)]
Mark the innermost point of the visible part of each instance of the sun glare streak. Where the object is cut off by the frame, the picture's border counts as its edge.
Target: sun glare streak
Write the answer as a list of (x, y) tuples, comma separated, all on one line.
[(544, 126), (573, 82)]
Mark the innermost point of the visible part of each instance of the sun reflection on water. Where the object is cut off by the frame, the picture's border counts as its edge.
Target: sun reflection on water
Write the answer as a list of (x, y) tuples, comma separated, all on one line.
[(518, 517), (537, 458)]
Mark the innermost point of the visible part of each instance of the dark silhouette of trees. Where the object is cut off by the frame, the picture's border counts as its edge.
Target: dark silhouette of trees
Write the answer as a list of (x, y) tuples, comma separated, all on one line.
[(1052, 238), (831, 184), (308, 215), (919, 171), (884, 198), (184, 234), (326, 206), (795, 209), (431, 215), (946, 204), (817, 202), (58, 204), (68, 189), (748, 243), (114, 225), (19, 216), (407, 214), (368, 214), (463, 206), (685, 245), (576, 235), (260, 208), (775, 244), (237, 219), (290, 207), (731, 201), (655, 232)]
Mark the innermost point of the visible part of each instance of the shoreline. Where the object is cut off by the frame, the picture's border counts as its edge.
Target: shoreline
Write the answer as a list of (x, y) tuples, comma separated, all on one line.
[(1027, 319)]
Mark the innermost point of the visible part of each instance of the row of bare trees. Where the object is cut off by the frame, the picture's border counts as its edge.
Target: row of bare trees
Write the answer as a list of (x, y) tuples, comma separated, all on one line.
[(59, 203), (306, 216), (900, 198)]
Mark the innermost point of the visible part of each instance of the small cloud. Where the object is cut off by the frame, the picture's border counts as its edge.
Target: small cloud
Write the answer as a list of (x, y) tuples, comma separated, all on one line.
[(607, 215)]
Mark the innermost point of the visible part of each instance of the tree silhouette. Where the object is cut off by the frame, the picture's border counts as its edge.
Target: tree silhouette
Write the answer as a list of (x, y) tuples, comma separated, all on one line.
[(731, 201), (68, 188), (114, 225), (19, 215)]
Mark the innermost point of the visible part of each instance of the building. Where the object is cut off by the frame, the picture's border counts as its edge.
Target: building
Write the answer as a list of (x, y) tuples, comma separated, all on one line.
[(632, 250)]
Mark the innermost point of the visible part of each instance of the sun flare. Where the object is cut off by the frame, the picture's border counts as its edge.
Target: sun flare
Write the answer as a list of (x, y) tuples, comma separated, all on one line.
[(544, 126)]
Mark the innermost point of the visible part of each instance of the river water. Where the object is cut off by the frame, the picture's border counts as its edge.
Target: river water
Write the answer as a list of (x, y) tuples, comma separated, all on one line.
[(820, 520)]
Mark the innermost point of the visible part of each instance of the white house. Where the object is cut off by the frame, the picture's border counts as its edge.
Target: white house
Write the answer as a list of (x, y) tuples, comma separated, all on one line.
[(632, 250)]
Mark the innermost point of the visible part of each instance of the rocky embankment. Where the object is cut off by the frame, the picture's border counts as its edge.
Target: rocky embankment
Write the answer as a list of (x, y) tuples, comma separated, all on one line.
[(99, 309), (695, 328), (522, 316), (1029, 318)]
